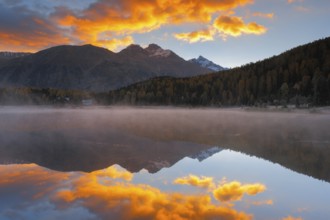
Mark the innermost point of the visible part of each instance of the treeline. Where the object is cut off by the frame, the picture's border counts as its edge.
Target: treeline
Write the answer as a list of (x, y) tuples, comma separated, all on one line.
[(299, 76), (36, 96)]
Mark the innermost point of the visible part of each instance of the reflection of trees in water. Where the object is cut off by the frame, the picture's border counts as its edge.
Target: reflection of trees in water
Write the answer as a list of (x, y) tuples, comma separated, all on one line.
[(297, 141)]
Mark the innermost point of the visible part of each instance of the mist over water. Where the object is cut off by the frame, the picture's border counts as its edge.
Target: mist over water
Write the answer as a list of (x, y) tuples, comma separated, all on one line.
[(197, 147), (33, 134)]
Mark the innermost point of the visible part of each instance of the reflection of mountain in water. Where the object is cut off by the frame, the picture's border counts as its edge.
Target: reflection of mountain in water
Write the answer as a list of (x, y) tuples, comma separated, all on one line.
[(152, 139), (62, 152), (298, 141), (65, 143), (206, 153)]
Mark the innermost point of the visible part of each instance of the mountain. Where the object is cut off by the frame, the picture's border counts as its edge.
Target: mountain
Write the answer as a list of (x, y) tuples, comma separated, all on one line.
[(205, 63), (93, 68), (206, 153), (300, 76)]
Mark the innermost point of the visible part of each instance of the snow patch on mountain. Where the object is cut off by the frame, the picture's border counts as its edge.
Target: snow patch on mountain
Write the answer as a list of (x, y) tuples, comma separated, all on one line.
[(161, 53), (203, 62), (206, 153)]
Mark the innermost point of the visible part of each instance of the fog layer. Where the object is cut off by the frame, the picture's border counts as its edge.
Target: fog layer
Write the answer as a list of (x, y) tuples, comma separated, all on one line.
[(90, 139)]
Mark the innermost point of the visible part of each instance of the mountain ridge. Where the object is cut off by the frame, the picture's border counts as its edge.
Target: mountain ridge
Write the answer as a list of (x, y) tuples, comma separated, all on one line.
[(93, 68)]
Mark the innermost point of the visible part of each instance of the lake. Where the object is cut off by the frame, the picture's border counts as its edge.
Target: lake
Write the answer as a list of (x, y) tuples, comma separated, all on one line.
[(163, 163)]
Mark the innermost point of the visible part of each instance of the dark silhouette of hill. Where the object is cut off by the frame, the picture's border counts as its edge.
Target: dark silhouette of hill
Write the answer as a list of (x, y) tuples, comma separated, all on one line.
[(90, 68)]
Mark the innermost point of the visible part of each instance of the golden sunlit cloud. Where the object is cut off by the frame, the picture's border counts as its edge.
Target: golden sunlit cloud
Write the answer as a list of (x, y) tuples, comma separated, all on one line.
[(234, 191), (235, 26), (196, 36), (28, 173), (114, 43), (122, 200), (130, 17), (263, 15), (128, 201), (110, 194), (112, 172), (111, 24), (291, 218), (204, 182)]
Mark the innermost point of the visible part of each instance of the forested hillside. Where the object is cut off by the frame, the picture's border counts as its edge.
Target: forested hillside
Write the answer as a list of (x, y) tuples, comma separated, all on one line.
[(298, 76)]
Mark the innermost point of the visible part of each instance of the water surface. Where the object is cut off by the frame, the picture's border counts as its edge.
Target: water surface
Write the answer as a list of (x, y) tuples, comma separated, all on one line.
[(111, 163)]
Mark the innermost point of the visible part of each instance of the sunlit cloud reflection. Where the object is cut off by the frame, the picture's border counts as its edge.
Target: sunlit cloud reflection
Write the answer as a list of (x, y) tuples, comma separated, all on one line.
[(112, 194)]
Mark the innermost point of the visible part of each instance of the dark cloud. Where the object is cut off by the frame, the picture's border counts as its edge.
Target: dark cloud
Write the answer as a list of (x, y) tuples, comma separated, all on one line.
[(11, 2), (27, 29)]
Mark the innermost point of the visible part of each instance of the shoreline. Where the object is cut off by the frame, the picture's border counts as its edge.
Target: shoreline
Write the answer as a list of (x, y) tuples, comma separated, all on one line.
[(266, 109)]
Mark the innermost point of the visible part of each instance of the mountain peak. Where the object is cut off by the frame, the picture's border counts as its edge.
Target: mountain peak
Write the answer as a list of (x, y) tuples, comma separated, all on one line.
[(133, 49), (204, 62), (156, 51), (201, 58), (153, 47)]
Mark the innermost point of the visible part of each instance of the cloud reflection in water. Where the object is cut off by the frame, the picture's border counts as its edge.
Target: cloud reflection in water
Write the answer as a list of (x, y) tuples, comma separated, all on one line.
[(111, 194)]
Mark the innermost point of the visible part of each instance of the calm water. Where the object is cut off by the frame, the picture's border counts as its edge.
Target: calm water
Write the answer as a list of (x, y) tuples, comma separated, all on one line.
[(111, 163)]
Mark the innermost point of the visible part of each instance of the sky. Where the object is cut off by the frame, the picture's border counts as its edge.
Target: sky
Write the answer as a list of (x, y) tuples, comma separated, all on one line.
[(229, 32)]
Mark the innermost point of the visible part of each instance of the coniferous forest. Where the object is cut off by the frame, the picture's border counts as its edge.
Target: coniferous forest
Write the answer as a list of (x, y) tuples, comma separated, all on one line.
[(300, 76)]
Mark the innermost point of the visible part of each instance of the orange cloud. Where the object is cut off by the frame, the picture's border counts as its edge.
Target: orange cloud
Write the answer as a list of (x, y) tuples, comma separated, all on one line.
[(129, 201), (235, 26), (110, 24), (109, 198), (195, 36), (225, 25), (128, 16), (263, 15), (291, 218), (28, 174), (234, 191), (112, 172), (204, 182)]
